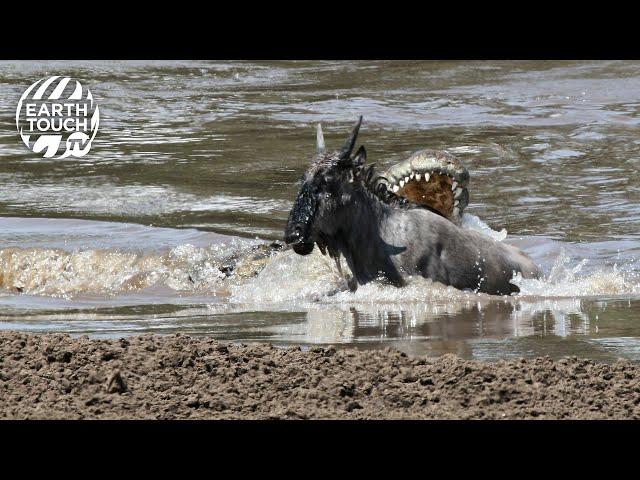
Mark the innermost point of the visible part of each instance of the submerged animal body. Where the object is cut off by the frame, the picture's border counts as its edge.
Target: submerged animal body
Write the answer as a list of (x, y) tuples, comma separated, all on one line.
[(400, 223)]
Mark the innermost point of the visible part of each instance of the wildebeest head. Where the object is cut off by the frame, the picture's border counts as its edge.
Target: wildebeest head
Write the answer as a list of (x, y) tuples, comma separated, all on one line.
[(324, 186)]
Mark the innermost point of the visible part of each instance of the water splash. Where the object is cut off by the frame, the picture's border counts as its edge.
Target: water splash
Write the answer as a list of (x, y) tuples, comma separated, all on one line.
[(63, 274), (471, 222), (315, 278), (566, 280), (287, 279)]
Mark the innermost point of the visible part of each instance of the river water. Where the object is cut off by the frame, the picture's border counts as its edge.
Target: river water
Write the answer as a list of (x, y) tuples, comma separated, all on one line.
[(196, 160)]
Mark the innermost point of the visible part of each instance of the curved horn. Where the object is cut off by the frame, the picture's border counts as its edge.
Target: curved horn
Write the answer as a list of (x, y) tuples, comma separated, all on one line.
[(351, 141), (320, 140)]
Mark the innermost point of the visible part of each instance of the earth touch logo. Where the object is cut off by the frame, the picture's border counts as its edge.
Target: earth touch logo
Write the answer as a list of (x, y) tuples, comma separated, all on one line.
[(57, 116)]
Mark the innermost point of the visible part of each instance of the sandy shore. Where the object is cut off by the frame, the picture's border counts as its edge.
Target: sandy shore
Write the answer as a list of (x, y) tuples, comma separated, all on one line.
[(57, 376)]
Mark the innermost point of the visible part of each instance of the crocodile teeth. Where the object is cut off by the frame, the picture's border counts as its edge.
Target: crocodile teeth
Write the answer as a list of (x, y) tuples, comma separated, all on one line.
[(456, 203), (458, 192), (454, 185), (427, 177), (395, 188), (401, 183), (418, 176), (412, 175), (406, 179)]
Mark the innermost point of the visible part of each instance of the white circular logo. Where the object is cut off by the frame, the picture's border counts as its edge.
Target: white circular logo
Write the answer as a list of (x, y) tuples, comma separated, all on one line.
[(57, 116)]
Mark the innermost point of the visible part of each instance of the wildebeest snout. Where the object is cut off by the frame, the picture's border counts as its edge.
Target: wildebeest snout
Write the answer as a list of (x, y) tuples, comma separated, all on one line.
[(300, 222), (295, 235)]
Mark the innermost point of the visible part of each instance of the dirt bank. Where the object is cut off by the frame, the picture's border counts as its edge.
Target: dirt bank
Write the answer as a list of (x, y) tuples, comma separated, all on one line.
[(56, 376)]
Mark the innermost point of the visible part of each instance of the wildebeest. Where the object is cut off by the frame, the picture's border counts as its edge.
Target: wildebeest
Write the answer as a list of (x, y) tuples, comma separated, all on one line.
[(346, 209)]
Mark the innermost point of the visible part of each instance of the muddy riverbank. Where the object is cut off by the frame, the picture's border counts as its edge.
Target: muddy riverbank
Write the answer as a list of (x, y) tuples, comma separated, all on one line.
[(57, 376)]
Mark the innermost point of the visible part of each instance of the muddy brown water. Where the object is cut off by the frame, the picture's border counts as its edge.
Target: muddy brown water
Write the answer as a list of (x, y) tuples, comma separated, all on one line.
[(196, 160)]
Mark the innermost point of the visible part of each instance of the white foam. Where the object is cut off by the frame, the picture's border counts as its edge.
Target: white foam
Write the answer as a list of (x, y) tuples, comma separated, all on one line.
[(290, 277), (63, 274), (287, 278), (472, 222), (567, 280), (315, 278)]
